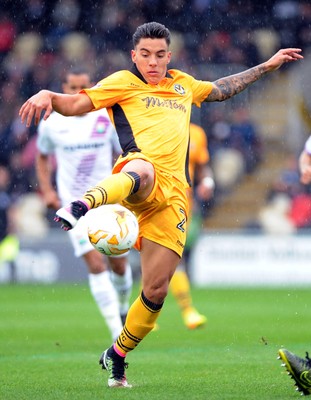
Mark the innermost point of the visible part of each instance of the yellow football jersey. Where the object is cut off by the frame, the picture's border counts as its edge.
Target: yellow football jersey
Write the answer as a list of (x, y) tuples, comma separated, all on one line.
[(152, 119)]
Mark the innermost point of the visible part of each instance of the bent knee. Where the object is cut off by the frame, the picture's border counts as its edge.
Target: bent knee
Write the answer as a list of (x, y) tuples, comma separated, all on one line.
[(144, 169), (156, 294)]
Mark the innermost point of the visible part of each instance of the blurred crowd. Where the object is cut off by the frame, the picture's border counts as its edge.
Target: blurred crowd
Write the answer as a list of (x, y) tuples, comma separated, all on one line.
[(40, 41)]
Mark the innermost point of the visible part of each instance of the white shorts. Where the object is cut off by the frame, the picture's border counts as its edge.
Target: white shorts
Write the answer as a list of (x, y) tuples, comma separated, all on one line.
[(79, 238)]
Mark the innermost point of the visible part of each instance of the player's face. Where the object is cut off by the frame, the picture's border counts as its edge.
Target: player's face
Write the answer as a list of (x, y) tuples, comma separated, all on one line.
[(75, 83), (151, 57)]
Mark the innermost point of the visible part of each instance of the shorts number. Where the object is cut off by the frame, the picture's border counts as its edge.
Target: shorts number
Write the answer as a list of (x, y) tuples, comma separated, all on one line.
[(181, 224)]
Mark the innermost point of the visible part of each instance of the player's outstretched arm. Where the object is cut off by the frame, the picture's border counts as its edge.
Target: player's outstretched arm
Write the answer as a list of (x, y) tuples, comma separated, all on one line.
[(224, 88), (46, 101)]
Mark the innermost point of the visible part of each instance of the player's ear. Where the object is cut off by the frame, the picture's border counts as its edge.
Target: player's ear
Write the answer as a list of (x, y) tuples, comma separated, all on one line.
[(133, 55), (169, 55)]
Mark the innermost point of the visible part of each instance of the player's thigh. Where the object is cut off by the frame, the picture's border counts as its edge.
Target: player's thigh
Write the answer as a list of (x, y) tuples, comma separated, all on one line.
[(158, 264)]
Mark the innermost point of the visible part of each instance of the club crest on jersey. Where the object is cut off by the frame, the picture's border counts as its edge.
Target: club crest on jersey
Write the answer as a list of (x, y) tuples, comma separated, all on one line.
[(179, 89)]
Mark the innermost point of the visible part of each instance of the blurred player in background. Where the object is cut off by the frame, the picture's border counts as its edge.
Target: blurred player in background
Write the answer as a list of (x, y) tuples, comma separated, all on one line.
[(151, 108), (300, 368), (202, 178), (84, 146)]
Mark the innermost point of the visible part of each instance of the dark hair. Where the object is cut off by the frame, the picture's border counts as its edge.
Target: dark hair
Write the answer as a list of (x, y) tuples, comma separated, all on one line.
[(152, 30)]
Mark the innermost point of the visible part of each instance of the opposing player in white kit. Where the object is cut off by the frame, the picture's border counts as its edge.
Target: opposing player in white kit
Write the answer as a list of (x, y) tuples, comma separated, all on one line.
[(83, 147)]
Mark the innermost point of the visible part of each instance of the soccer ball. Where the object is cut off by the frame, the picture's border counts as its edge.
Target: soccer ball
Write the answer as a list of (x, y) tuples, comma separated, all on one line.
[(112, 229)]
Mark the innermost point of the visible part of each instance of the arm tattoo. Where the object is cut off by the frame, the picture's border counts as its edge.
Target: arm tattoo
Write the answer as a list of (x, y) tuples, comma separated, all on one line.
[(224, 88)]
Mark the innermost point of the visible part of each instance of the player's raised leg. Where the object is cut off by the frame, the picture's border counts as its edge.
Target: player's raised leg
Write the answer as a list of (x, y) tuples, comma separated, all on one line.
[(136, 181), (119, 186)]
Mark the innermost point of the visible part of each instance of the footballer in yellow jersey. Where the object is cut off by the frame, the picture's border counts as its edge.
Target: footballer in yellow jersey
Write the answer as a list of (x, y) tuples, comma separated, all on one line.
[(152, 119), (150, 107), (164, 143)]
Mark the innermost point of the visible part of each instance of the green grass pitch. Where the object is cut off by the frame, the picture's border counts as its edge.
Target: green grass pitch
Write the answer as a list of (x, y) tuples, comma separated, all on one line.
[(51, 338)]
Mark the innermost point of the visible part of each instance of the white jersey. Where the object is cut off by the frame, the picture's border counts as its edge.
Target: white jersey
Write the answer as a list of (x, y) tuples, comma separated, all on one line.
[(83, 147)]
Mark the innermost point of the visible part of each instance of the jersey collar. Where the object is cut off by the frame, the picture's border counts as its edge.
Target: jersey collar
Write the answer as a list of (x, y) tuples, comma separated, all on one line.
[(135, 71)]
